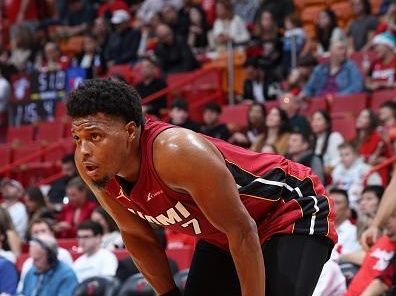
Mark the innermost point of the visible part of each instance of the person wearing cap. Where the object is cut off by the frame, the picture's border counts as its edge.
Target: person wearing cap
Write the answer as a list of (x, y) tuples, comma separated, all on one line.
[(382, 73), (123, 43), (12, 191)]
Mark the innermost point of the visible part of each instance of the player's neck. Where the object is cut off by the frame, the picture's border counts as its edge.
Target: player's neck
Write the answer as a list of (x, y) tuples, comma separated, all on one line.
[(131, 169)]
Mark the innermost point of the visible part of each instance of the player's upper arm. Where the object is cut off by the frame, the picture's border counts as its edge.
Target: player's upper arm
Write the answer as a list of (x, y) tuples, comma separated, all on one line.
[(189, 163)]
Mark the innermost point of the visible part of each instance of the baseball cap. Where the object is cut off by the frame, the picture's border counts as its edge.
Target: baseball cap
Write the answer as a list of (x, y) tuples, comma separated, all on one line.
[(120, 16), (386, 38)]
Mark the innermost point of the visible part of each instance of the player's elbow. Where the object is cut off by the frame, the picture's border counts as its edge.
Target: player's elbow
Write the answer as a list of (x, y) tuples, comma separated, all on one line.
[(244, 232)]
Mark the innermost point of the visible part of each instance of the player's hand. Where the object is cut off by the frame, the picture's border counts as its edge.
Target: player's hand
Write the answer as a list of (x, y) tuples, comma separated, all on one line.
[(369, 237)]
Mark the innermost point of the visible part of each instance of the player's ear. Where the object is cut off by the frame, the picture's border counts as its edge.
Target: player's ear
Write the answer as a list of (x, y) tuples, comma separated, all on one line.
[(131, 129)]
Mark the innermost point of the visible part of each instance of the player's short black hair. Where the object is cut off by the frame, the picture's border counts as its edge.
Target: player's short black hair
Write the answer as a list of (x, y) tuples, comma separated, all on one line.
[(111, 97), (95, 227), (340, 191)]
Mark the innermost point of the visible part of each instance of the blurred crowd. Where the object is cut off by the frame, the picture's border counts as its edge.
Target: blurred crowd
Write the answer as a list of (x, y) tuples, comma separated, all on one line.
[(284, 63)]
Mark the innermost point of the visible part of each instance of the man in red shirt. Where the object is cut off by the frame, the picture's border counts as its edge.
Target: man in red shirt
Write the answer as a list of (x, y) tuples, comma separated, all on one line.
[(376, 261), (383, 70), (265, 224), (76, 211)]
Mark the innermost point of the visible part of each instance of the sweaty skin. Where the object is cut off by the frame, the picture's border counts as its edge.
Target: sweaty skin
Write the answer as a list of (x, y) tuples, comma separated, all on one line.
[(107, 146)]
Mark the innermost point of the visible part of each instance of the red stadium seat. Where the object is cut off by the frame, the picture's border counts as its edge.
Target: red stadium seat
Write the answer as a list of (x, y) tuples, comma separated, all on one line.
[(236, 114), (20, 135), (344, 123), (271, 104), (313, 105), (70, 244), (381, 96), (5, 154), (56, 154), (20, 260), (124, 70), (353, 103), (26, 150), (182, 256), (60, 110), (49, 132)]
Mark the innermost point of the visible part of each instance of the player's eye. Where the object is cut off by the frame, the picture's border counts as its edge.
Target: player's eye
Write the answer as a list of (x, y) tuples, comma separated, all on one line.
[(76, 138), (95, 137)]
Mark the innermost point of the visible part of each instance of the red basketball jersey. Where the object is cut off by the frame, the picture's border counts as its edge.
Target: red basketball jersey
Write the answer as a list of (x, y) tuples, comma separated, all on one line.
[(280, 195)]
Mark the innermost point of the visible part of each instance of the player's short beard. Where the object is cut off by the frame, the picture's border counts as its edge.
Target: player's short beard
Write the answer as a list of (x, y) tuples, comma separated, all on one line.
[(101, 183)]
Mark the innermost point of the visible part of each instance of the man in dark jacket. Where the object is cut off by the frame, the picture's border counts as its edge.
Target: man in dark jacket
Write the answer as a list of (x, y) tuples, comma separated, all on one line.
[(124, 42), (173, 53)]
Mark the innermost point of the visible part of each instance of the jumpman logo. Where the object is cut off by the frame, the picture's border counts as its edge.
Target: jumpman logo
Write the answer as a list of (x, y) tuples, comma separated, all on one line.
[(122, 195)]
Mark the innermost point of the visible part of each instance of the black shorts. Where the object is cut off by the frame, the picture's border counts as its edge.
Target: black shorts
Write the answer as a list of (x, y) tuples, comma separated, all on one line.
[(293, 264)]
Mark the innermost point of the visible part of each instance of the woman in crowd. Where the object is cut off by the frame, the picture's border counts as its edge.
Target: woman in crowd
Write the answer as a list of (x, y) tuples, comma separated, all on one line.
[(277, 132), (327, 31), (11, 247), (111, 238), (36, 204), (198, 30), (325, 141), (228, 26), (91, 59), (255, 128)]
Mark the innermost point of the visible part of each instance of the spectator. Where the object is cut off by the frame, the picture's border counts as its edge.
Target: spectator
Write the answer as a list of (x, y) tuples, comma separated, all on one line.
[(91, 58), (95, 260), (22, 44), (325, 141), (4, 246), (299, 76), (387, 116), (77, 17), (349, 174), (370, 199), (292, 105), (368, 141), (295, 42), (36, 204), (388, 21), (382, 73), (173, 53), (179, 115), (277, 131), (347, 232), (278, 8), (40, 227), (48, 276), (211, 125), (107, 8), (57, 192), (267, 44), (123, 43), (299, 150), (21, 11), (101, 31), (246, 9), (327, 31), (12, 192), (52, 60), (228, 26), (337, 76), (111, 238), (5, 97), (12, 243), (255, 127), (198, 30), (170, 17), (258, 86), (376, 260), (150, 84), (361, 29), (149, 8), (8, 272), (78, 209)]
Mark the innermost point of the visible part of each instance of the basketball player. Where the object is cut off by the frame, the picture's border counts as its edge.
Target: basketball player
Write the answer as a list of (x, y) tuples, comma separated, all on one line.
[(247, 210)]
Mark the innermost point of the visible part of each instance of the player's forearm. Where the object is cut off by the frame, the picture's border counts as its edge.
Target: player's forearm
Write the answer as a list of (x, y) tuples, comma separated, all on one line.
[(248, 258), (376, 288), (152, 262), (387, 206)]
